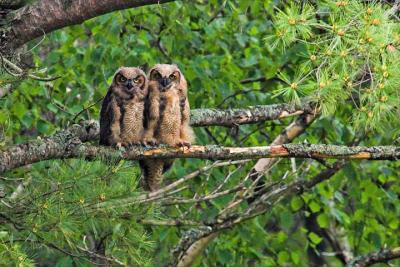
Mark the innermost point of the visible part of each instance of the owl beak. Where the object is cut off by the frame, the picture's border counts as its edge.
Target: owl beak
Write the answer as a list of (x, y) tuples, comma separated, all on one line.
[(129, 85), (165, 82)]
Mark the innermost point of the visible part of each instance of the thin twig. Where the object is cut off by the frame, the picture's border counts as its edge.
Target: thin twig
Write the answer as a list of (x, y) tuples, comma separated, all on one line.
[(21, 72)]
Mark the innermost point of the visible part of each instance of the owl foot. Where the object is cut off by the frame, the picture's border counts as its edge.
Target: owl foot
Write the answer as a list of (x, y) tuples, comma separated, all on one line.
[(134, 143), (149, 141), (120, 146), (183, 143)]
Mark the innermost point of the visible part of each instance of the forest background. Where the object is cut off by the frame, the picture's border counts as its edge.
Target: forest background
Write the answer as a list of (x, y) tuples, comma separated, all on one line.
[(321, 74)]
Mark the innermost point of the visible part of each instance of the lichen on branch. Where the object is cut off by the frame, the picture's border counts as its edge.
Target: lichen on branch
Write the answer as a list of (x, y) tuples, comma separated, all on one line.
[(62, 146)]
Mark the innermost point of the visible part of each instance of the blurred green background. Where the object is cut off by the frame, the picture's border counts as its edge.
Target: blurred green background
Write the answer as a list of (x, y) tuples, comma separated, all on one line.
[(225, 50)]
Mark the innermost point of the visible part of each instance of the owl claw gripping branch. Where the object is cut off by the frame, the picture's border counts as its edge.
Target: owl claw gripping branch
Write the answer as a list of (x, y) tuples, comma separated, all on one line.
[(134, 113)]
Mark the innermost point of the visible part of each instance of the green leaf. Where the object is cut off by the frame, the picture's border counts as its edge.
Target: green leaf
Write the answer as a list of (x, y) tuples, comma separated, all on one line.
[(323, 220), (315, 239), (394, 224), (296, 203), (314, 206), (295, 255), (283, 257), (19, 109), (3, 116)]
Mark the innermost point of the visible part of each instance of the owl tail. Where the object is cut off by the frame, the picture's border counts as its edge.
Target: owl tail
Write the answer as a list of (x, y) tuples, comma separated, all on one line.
[(152, 172)]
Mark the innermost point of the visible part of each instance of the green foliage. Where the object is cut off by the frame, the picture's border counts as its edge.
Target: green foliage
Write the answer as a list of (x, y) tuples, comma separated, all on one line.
[(348, 51), (12, 253), (342, 54), (62, 198)]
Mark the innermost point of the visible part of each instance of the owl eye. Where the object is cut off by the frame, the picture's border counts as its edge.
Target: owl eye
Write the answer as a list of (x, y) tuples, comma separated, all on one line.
[(122, 79), (156, 75), (172, 77), (136, 80)]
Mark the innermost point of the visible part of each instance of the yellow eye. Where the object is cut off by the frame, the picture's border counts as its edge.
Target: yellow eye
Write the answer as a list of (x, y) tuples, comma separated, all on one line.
[(172, 77), (122, 79), (136, 80)]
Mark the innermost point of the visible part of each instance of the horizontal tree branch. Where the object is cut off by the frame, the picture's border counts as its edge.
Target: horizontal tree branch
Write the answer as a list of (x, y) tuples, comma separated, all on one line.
[(214, 152), (286, 136), (68, 144), (369, 259), (237, 116), (45, 16), (57, 146), (256, 173)]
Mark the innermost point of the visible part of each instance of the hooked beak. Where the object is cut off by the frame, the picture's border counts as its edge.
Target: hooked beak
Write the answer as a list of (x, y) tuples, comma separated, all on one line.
[(129, 84), (165, 83)]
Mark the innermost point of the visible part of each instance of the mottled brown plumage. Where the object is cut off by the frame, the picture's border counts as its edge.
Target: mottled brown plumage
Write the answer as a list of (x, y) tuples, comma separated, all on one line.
[(168, 119), (123, 108)]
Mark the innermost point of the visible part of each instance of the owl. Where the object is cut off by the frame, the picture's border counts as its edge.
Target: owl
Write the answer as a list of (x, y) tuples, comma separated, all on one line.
[(122, 116), (167, 119)]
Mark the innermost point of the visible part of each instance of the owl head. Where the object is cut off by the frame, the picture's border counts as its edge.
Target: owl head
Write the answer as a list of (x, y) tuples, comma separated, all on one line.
[(167, 76), (129, 82)]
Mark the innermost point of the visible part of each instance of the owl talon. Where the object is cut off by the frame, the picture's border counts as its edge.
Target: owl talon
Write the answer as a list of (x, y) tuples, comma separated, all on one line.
[(149, 142), (135, 143), (120, 146), (183, 144), (145, 144)]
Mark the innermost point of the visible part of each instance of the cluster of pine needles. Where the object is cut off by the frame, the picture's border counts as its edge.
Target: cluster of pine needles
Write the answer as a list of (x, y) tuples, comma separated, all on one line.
[(348, 54)]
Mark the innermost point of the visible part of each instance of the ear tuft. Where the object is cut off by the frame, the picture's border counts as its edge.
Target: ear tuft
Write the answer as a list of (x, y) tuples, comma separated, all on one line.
[(144, 67)]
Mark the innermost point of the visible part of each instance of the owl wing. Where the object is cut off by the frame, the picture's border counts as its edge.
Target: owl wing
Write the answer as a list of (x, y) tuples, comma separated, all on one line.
[(106, 118)]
